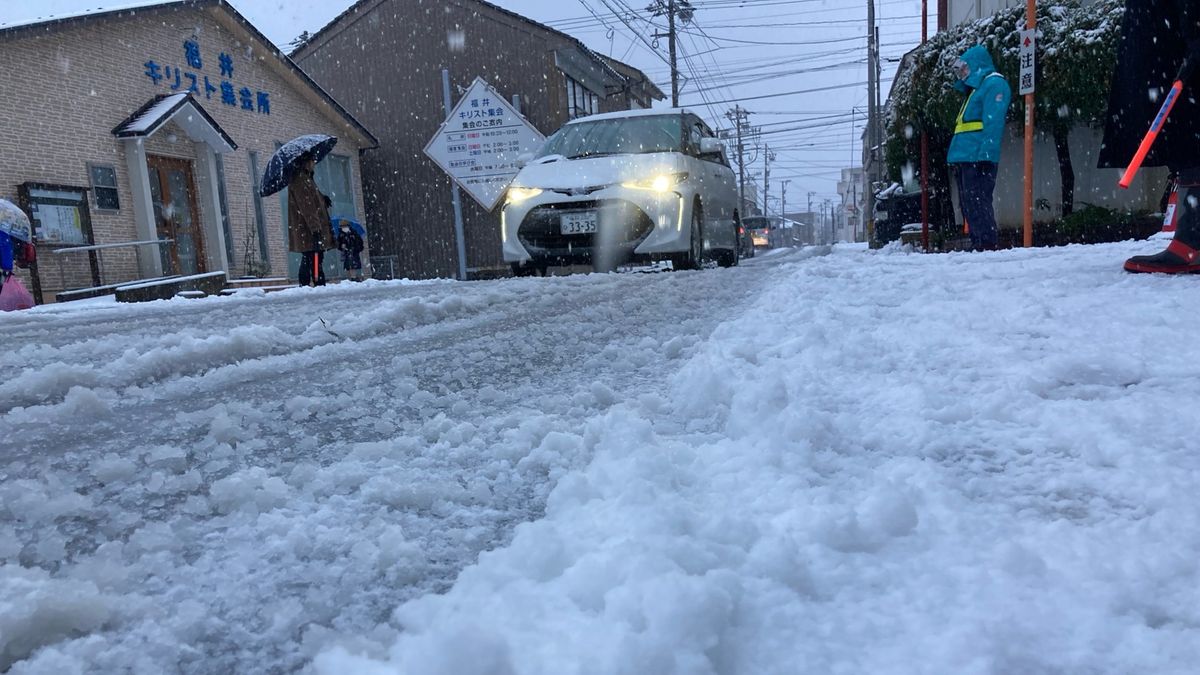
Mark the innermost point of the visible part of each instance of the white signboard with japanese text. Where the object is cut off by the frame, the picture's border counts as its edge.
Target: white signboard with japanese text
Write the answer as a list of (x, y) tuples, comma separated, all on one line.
[(1028, 60), (479, 143)]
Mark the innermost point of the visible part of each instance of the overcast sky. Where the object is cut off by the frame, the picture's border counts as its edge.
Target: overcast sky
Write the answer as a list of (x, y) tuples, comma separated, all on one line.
[(747, 51)]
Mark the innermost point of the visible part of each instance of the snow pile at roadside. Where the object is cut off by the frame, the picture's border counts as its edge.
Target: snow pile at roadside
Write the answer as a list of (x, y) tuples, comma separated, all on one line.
[(967, 463)]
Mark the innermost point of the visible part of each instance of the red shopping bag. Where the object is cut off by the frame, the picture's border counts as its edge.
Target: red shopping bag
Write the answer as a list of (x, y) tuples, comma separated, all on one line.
[(13, 295)]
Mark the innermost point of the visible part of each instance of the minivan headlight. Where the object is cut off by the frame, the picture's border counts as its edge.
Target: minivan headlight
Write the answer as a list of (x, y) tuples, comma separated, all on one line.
[(659, 183), (516, 195)]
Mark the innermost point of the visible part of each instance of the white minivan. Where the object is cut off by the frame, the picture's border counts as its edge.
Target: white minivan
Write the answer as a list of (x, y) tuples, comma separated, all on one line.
[(631, 186)]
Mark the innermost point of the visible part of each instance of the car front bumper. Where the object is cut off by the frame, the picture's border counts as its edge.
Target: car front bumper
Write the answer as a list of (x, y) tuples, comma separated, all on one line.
[(632, 223)]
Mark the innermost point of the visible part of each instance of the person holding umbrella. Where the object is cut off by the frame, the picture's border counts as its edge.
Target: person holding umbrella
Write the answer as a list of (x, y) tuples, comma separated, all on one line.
[(16, 235), (310, 231)]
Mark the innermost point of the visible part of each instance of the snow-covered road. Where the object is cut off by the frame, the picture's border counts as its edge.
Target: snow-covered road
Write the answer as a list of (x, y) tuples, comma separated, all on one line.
[(224, 485), (863, 462)]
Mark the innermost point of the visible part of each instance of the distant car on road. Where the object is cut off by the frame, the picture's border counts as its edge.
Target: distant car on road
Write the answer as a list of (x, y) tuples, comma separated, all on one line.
[(631, 186), (760, 228)]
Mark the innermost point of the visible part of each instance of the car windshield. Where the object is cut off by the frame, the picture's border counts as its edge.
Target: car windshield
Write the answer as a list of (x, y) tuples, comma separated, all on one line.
[(617, 136), (757, 223)]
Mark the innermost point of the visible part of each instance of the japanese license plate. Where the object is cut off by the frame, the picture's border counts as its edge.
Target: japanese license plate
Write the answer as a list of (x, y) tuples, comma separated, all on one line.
[(579, 222)]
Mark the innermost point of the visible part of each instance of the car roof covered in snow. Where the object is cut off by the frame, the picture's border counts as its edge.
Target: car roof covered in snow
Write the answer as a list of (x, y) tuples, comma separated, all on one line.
[(647, 112)]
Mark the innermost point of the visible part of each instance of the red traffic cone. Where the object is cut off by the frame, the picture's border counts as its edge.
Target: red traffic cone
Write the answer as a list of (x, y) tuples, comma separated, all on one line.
[(1171, 216)]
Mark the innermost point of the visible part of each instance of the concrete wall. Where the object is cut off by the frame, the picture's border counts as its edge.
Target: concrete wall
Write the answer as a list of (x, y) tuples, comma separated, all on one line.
[(1092, 185), (63, 89)]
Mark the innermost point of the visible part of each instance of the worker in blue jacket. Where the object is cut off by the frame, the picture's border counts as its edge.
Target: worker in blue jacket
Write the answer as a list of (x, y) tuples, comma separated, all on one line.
[(975, 148)]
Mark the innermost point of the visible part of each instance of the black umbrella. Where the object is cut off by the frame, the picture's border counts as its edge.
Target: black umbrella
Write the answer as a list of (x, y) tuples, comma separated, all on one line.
[(286, 160)]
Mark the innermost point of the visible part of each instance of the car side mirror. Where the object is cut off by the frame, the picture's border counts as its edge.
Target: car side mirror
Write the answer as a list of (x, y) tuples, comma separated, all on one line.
[(523, 159), (711, 146)]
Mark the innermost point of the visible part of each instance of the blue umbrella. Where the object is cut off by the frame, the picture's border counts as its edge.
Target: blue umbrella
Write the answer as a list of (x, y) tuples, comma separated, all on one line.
[(14, 222), (286, 160), (354, 225)]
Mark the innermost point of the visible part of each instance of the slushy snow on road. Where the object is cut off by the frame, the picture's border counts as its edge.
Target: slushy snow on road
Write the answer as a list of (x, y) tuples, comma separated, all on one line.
[(860, 462)]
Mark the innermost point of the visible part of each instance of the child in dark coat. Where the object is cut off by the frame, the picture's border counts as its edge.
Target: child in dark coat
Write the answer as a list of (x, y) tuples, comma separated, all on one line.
[(351, 246)]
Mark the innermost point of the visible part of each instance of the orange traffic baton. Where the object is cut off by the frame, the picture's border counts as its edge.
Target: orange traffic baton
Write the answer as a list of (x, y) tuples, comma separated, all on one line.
[(1148, 140)]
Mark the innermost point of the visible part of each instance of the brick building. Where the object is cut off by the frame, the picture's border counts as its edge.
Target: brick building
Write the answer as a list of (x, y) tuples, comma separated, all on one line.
[(397, 92), (155, 123)]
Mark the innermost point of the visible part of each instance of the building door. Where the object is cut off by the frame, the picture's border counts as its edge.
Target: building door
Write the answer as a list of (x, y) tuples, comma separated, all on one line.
[(173, 190)]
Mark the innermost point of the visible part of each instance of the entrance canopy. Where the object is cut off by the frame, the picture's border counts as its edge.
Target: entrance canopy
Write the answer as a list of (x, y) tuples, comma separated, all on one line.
[(177, 201), (185, 112)]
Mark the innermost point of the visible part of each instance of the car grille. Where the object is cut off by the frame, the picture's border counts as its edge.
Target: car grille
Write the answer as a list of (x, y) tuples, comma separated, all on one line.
[(624, 224)]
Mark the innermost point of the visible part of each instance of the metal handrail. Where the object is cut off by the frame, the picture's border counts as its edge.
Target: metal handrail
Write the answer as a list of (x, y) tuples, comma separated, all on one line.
[(97, 247)]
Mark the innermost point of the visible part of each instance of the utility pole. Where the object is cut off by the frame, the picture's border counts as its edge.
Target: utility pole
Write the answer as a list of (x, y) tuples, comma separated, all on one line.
[(816, 232), (872, 113), (828, 207), (672, 9), (768, 157), (740, 117), (1027, 239), (871, 168), (924, 146), (783, 207)]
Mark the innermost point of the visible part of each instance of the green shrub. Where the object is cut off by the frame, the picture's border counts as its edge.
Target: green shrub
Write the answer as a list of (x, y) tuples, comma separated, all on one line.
[(1093, 224)]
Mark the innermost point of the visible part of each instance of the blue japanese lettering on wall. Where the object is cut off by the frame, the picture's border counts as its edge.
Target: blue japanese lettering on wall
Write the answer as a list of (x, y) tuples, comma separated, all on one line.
[(177, 78), (153, 72), (191, 50)]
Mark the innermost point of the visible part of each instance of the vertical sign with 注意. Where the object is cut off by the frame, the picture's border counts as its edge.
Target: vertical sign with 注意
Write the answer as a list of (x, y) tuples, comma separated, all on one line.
[(480, 141), (1026, 57)]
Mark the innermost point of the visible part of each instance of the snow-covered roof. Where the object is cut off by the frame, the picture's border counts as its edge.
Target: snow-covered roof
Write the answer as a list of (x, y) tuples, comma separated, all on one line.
[(185, 111), (87, 13), (146, 120)]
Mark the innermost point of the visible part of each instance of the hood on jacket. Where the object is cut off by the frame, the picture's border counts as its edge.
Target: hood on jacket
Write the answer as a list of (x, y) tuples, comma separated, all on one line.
[(980, 62)]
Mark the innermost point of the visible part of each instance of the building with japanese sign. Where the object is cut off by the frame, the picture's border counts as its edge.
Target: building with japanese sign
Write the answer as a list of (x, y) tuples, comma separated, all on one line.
[(153, 125), (549, 75)]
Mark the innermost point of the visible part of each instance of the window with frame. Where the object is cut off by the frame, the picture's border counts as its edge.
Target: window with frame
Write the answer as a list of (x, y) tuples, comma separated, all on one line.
[(581, 102), (104, 187)]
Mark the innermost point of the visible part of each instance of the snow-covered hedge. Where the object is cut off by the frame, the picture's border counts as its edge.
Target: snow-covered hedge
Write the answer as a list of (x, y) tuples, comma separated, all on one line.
[(1076, 53)]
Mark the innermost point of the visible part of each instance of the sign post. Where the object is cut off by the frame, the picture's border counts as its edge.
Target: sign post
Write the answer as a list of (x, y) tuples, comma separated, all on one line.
[(478, 146), (1028, 58), (460, 236)]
